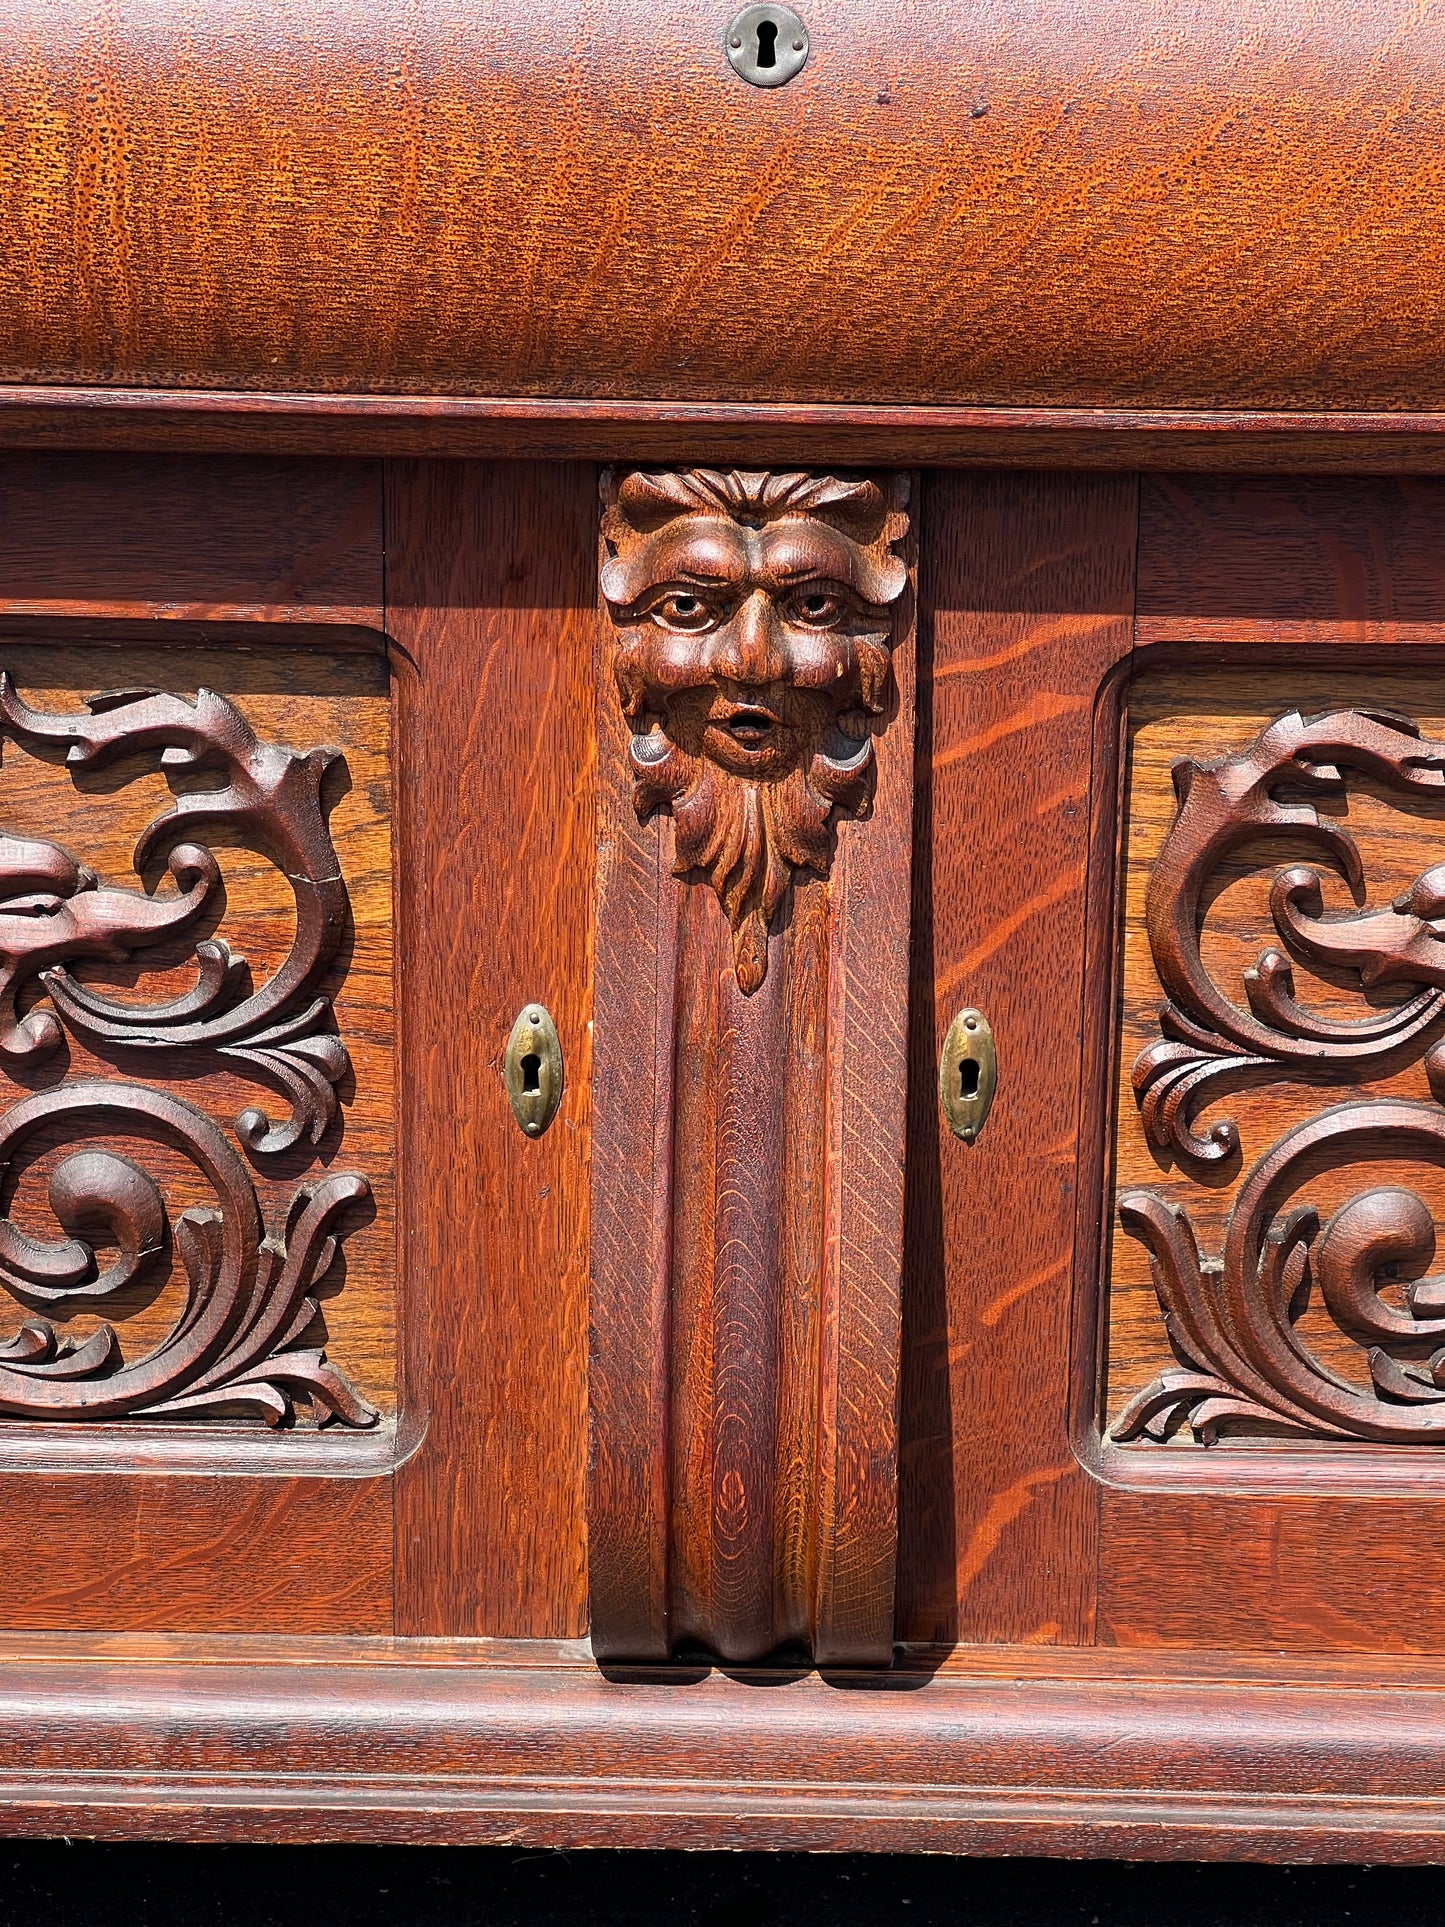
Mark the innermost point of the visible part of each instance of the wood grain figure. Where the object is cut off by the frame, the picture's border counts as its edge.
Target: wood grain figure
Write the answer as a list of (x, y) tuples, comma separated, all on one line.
[(567, 624), (1111, 207)]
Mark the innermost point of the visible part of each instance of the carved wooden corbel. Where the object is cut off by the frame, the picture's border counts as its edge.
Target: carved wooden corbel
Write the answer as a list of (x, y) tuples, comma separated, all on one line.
[(754, 664), (756, 722)]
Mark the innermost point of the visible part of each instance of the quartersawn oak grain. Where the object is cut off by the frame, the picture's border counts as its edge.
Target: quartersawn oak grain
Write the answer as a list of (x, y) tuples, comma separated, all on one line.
[(491, 605), (1026, 589), (1006, 203)]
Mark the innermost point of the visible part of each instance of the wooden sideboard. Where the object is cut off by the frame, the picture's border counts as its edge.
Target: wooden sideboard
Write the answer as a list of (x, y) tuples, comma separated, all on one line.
[(722, 927)]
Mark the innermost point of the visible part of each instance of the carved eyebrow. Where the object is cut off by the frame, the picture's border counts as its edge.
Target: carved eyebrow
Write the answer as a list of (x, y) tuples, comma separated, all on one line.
[(686, 579), (825, 578)]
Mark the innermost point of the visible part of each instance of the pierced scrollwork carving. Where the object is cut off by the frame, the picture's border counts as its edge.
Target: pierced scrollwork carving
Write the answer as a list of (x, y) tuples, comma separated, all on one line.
[(1272, 786), (238, 1345), (755, 623), (1232, 1320), (53, 912)]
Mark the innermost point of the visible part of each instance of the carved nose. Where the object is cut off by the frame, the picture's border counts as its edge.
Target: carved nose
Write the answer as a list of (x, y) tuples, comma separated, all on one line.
[(750, 653)]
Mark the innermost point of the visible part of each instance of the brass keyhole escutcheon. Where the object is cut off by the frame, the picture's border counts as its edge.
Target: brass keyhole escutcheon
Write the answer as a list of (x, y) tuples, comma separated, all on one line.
[(532, 1069), (967, 1074)]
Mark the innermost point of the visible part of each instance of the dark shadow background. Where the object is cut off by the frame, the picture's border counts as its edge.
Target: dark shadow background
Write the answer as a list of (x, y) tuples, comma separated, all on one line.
[(45, 1883)]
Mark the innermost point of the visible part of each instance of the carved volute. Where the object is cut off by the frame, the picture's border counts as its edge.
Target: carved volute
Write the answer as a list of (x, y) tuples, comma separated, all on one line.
[(243, 1342), (1235, 1322)]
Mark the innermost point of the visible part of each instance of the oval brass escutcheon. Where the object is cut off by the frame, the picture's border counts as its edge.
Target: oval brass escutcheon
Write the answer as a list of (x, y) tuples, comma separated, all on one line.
[(532, 1069), (967, 1074)]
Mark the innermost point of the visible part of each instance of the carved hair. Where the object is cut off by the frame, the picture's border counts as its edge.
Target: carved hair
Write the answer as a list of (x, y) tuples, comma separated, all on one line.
[(870, 511)]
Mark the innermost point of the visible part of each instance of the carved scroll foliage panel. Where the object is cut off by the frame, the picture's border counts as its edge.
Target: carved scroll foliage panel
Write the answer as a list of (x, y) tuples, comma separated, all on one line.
[(251, 1034), (1279, 1138)]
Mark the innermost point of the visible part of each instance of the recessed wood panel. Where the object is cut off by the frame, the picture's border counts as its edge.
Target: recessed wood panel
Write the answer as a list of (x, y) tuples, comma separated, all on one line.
[(303, 700), (1202, 716)]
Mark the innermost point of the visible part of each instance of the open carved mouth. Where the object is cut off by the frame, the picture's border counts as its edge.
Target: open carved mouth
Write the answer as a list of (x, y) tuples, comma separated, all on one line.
[(750, 727)]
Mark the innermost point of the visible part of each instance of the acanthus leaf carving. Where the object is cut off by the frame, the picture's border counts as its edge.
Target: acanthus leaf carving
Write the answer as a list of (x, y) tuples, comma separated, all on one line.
[(235, 1347), (53, 913), (1273, 786), (1233, 1321), (1229, 1319), (755, 619), (244, 1342)]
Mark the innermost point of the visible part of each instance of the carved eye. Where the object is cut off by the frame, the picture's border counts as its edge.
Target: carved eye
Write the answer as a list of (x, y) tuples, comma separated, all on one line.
[(814, 609), (678, 609)]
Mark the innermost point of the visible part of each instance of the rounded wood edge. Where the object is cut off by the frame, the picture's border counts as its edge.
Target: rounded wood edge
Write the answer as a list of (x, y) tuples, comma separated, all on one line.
[(721, 1820), (1109, 1754), (758, 433)]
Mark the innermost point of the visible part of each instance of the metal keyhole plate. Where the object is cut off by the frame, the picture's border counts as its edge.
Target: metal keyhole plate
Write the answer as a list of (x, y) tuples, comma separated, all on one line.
[(532, 1069), (967, 1074), (767, 45)]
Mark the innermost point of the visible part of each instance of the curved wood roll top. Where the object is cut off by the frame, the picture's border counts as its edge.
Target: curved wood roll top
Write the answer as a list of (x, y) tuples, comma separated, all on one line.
[(1171, 203)]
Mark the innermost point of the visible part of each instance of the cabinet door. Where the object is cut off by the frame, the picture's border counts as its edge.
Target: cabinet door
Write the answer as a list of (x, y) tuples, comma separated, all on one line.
[(198, 1363), (1270, 1411), (287, 1286), (1173, 1338)]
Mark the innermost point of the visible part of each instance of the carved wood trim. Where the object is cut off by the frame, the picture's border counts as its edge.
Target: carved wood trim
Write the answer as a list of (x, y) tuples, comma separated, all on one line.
[(1232, 1319), (750, 1077), (1269, 787), (237, 1347)]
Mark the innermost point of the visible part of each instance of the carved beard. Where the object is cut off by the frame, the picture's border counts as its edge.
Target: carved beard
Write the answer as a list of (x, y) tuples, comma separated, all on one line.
[(748, 837)]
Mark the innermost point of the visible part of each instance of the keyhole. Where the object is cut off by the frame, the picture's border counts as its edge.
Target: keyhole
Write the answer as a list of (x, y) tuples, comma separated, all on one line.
[(532, 1074), (767, 43), (967, 1077)]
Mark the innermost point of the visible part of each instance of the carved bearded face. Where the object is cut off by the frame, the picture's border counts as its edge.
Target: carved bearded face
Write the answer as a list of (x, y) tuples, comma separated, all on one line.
[(755, 620)]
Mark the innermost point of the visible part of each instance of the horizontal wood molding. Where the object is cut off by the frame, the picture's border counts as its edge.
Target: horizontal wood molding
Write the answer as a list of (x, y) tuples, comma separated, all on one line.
[(1002, 1750), (550, 428)]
